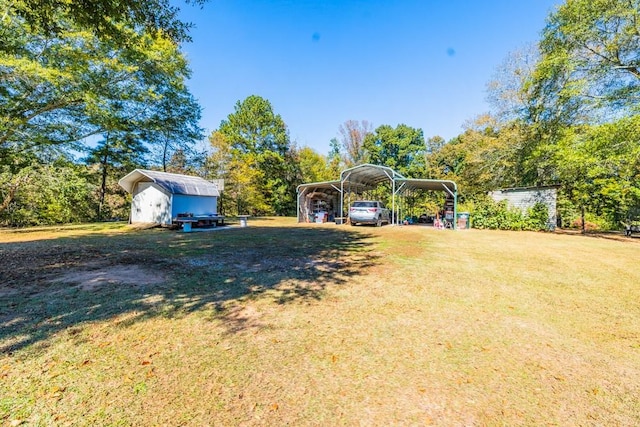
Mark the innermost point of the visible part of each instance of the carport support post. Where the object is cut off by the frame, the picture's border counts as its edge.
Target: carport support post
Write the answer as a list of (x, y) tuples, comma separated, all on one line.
[(342, 202), (455, 210), (393, 203), (394, 196)]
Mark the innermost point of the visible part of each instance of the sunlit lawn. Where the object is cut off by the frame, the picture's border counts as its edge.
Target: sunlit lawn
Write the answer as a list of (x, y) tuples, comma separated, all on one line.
[(286, 324)]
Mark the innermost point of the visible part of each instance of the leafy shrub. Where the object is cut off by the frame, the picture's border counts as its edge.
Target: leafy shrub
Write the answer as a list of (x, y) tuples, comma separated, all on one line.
[(538, 217), (489, 214)]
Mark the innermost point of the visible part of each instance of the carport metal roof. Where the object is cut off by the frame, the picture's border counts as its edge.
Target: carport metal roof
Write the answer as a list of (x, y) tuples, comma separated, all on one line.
[(429, 185), (368, 176), (318, 186)]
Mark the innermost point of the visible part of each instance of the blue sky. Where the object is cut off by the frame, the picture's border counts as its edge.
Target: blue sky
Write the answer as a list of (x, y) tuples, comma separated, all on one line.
[(424, 63)]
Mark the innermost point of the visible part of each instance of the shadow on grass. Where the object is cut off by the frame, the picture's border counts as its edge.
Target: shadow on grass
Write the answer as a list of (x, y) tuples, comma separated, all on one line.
[(49, 286), (608, 235)]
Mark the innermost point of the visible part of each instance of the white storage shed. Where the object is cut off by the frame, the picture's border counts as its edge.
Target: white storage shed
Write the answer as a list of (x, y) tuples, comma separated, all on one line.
[(162, 197), (524, 198)]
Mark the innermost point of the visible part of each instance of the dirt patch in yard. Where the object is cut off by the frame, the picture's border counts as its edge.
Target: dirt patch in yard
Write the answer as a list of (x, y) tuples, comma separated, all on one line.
[(90, 280)]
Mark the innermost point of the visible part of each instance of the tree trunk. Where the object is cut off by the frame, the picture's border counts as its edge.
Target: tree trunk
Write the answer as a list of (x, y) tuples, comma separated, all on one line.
[(103, 184), (165, 152), (584, 227)]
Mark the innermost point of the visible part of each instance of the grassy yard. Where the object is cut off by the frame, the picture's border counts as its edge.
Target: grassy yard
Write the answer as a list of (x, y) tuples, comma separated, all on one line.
[(287, 324)]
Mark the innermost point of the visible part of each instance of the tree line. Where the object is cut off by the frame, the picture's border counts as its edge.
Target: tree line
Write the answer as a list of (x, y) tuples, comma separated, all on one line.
[(83, 102)]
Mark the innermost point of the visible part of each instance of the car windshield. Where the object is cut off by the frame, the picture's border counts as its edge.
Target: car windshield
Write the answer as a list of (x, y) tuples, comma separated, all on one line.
[(364, 204)]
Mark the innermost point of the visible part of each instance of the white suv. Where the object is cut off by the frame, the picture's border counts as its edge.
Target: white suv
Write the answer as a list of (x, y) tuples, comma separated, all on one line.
[(368, 212)]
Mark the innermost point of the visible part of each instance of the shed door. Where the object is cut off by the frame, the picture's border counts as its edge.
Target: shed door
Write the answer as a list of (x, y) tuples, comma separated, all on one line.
[(150, 204)]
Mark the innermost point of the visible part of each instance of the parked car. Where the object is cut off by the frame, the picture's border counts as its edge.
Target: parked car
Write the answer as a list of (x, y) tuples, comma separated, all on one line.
[(368, 212)]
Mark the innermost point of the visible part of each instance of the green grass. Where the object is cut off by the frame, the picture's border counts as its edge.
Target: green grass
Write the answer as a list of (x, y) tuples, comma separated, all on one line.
[(280, 323)]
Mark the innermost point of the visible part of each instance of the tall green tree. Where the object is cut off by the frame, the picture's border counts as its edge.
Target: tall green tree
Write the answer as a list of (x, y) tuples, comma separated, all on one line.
[(599, 168), (57, 90), (103, 17), (253, 127), (44, 88), (314, 167), (172, 127), (114, 156), (401, 148), (589, 63), (483, 158), (241, 193), (582, 96), (260, 155)]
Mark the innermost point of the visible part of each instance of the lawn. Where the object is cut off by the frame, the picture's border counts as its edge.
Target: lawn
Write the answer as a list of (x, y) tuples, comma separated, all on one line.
[(317, 324)]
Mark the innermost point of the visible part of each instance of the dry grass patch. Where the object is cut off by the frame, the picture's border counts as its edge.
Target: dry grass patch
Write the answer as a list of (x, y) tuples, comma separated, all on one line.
[(282, 323)]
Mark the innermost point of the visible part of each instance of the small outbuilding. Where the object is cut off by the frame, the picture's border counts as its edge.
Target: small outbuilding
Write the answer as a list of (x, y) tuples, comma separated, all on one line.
[(162, 198), (524, 198)]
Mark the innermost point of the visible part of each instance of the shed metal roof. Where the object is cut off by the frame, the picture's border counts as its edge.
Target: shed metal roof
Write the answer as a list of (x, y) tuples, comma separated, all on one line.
[(172, 182)]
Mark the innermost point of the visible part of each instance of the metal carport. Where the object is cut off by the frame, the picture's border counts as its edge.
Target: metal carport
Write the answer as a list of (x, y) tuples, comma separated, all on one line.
[(367, 177), (330, 189), (406, 185)]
